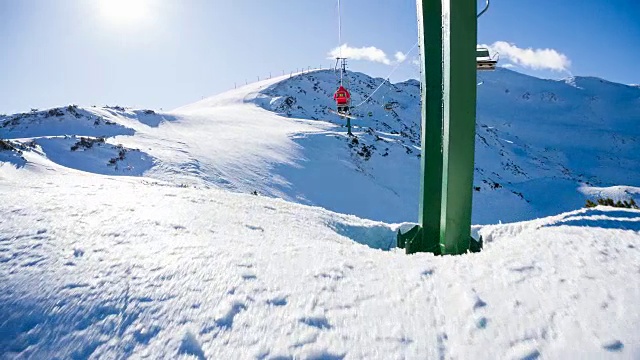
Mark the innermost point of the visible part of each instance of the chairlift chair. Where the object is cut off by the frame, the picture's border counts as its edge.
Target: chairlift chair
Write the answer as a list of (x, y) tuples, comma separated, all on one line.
[(484, 60), (342, 99)]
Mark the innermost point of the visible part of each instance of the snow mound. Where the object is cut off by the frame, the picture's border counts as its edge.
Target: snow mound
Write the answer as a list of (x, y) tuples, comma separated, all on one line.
[(95, 155), (70, 120), (81, 139), (616, 193), (11, 153)]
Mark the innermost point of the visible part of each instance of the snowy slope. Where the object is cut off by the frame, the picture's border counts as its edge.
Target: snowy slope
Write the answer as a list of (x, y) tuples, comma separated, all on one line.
[(539, 142), (542, 146), (98, 266)]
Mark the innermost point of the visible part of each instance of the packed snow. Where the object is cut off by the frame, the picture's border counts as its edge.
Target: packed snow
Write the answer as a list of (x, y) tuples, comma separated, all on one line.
[(191, 234), (94, 266)]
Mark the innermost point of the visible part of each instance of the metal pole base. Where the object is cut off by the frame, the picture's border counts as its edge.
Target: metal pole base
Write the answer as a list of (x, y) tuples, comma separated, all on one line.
[(413, 241)]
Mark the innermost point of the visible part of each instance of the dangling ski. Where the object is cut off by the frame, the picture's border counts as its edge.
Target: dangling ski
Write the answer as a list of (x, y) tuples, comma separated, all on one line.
[(342, 114)]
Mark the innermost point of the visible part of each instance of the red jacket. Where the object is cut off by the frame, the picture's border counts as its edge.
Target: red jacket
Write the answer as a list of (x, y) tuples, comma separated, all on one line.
[(342, 96)]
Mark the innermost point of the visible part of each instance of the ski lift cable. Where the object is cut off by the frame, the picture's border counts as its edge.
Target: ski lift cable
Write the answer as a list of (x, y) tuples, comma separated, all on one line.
[(484, 10), (339, 30), (339, 39), (387, 77)]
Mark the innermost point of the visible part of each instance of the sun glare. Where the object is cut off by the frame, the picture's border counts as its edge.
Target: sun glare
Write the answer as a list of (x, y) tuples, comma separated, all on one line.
[(124, 11)]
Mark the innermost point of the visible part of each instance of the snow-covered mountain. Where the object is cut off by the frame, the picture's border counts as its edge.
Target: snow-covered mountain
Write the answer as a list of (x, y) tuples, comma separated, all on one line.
[(542, 146), (119, 239)]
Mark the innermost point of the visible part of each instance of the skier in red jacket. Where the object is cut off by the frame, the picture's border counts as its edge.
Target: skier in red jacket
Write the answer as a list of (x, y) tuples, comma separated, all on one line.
[(342, 98)]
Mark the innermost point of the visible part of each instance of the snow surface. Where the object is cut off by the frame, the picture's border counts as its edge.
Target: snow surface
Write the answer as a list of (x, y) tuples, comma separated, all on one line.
[(96, 266), (119, 236)]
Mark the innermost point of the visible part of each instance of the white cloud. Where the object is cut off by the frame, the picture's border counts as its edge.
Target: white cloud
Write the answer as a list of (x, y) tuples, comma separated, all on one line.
[(508, 66), (368, 53), (536, 59), (400, 57)]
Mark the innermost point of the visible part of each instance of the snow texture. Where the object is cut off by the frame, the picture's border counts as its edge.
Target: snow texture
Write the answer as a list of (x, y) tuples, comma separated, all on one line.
[(107, 267)]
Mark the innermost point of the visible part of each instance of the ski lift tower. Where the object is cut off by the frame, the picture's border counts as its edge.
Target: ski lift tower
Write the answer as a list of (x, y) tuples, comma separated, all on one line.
[(448, 38), (342, 62)]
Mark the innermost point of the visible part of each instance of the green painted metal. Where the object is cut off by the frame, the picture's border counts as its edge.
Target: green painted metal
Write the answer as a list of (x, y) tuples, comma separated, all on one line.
[(408, 237), (459, 20), (448, 32), (430, 34)]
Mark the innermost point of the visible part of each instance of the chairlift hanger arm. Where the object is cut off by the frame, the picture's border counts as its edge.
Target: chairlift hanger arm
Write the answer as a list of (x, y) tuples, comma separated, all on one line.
[(484, 10), (489, 64)]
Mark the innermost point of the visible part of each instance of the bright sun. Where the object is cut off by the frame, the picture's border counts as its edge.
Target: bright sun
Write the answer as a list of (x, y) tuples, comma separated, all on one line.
[(124, 11)]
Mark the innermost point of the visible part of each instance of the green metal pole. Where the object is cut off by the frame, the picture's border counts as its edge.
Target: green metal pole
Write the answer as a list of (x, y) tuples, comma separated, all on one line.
[(448, 32), (430, 37), (459, 24)]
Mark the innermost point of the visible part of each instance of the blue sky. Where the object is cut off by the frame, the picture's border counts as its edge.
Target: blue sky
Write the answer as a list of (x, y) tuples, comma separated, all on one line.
[(167, 53)]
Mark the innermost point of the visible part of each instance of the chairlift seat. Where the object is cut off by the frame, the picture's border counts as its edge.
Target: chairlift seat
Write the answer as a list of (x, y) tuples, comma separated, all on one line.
[(486, 64), (484, 60)]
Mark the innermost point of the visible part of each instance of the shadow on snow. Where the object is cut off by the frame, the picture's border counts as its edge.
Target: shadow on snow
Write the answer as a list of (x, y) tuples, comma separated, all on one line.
[(614, 219)]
